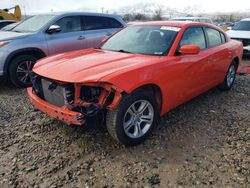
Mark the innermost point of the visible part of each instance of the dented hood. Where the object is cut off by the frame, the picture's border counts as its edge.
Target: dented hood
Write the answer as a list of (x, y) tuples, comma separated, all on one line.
[(88, 65)]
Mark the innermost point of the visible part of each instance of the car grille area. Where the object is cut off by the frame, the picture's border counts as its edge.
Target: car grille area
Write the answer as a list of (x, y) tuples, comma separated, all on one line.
[(52, 92), (245, 42)]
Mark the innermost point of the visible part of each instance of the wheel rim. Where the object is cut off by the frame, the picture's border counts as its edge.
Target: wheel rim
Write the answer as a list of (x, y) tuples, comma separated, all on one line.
[(231, 75), (24, 71), (138, 119)]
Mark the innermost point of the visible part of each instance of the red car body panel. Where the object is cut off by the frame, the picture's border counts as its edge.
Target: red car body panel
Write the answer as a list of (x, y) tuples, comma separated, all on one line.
[(62, 114), (179, 78)]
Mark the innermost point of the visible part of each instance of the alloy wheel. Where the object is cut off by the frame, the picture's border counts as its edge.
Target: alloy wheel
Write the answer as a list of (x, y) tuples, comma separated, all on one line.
[(24, 71), (138, 119), (231, 75)]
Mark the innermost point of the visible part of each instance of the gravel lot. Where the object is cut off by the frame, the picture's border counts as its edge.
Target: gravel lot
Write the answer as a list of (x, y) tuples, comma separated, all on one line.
[(203, 143)]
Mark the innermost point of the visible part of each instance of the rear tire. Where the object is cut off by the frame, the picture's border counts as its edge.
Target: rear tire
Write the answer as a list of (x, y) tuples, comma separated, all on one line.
[(20, 70), (229, 78), (134, 119)]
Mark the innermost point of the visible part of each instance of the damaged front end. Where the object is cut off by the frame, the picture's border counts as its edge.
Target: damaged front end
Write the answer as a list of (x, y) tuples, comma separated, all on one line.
[(87, 100)]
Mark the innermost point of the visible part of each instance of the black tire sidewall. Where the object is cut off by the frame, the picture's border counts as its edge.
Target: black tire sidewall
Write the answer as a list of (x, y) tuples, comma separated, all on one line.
[(124, 105), (224, 86), (235, 66), (13, 69)]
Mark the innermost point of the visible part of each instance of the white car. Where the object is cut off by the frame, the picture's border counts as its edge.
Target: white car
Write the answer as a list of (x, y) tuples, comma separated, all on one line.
[(241, 32)]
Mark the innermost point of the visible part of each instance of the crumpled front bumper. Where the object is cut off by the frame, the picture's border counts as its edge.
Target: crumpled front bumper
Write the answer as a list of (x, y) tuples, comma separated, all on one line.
[(59, 113)]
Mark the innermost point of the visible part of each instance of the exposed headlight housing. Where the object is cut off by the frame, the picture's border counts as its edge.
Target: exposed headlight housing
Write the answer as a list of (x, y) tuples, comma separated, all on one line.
[(90, 93), (4, 43)]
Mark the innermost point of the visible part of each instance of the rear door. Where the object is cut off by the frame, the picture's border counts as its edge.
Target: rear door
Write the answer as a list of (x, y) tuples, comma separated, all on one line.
[(96, 28), (70, 37), (220, 56)]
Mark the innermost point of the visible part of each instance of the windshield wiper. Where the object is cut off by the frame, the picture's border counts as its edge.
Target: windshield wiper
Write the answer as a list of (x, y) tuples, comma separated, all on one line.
[(124, 51)]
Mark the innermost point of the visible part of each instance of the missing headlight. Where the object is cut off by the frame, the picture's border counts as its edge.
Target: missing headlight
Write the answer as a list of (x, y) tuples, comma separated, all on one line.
[(90, 93), (69, 94)]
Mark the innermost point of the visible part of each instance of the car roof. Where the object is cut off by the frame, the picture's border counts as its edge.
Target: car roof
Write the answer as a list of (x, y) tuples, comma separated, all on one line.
[(174, 23), (245, 19), (79, 13)]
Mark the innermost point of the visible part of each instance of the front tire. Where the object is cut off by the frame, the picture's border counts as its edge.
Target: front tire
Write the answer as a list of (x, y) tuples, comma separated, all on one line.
[(229, 78), (20, 70), (134, 119)]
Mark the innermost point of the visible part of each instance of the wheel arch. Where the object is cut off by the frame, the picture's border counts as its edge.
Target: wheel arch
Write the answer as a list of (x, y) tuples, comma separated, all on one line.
[(36, 52), (237, 61), (155, 90)]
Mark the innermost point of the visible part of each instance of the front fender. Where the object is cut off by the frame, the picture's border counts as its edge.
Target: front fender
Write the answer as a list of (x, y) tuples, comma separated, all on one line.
[(133, 79)]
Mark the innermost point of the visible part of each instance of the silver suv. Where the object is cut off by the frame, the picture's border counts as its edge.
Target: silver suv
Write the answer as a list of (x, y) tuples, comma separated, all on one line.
[(44, 35)]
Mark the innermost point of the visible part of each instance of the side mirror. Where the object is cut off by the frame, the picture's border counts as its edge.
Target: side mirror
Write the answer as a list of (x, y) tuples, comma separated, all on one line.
[(190, 49), (54, 29)]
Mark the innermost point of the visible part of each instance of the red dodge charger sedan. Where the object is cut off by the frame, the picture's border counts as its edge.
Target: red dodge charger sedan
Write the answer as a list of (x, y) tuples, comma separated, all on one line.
[(135, 76)]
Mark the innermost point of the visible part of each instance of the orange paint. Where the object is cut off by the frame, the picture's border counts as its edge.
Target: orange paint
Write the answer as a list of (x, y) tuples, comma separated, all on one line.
[(179, 78)]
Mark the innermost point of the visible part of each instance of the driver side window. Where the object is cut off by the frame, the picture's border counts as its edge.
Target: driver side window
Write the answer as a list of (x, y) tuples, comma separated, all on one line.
[(194, 36), (69, 24)]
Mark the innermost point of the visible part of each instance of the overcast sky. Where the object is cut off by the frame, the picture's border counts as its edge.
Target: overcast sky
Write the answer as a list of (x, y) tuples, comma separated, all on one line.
[(33, 6)]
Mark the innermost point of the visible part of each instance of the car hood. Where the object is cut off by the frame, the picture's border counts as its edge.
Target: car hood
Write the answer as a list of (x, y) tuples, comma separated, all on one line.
[(89, 65), (239, 34), (10, 35)]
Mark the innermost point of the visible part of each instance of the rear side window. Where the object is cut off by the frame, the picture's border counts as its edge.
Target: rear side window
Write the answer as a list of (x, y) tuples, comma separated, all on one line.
[(214, 37), (194, 36), (113, 23), (98, 22), (69, 24)]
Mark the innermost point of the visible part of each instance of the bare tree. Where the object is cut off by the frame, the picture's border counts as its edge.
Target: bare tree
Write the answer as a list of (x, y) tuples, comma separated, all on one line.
[(157, 13), (140, 16), (190, 10)]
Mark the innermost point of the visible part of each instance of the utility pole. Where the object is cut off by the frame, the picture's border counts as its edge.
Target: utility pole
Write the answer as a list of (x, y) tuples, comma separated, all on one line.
[(102, 10)]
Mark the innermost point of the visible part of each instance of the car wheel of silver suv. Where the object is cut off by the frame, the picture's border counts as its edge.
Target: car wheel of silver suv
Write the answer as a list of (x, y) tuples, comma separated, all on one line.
[(20, 70)]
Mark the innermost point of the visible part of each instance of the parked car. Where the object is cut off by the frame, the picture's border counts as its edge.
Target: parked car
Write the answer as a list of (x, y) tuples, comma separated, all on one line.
[(44, 35), (225, 26), (9, 27), (3, 23), (12, 25), (134, 77), (193, 19), (241, 32)]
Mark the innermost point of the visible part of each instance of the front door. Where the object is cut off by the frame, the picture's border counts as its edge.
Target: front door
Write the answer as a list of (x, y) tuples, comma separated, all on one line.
[(69, 38)]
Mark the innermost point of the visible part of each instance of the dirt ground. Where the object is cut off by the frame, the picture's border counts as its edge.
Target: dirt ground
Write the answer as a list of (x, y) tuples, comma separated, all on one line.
[(203, 143)]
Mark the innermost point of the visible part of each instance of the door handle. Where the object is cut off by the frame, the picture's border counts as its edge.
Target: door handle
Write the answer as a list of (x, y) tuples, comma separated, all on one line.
[(81, 37)]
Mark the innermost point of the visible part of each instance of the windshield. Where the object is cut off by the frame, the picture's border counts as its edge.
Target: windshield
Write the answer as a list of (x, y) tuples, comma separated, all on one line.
[(242, 25), (33, 24), (148, 40)]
